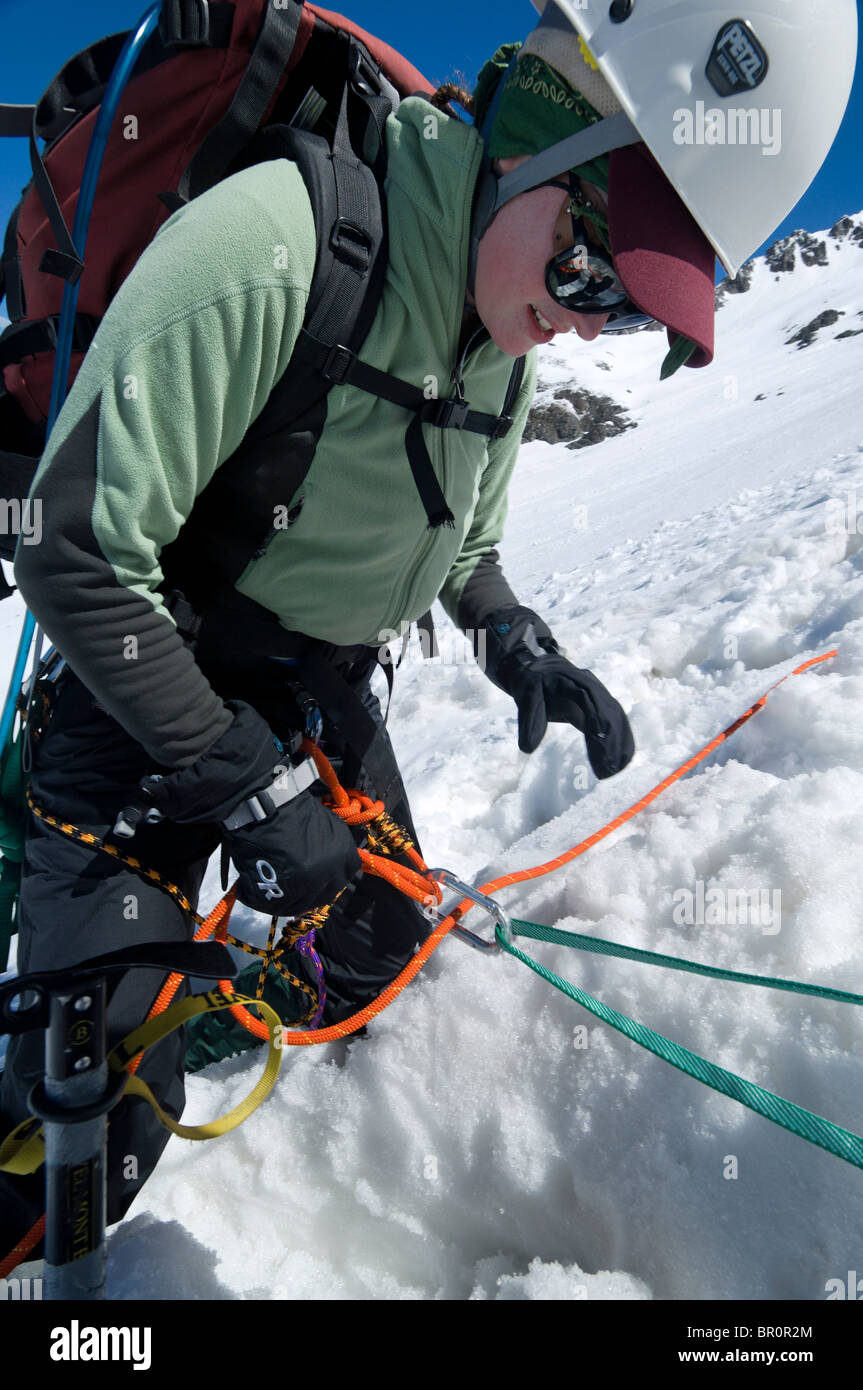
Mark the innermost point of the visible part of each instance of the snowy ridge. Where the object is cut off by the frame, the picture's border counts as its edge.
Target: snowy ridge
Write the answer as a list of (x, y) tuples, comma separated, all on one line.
[(472, 1147)]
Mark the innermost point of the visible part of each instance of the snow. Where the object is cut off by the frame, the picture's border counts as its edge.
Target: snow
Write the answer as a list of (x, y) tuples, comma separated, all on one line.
[(472, 1147)]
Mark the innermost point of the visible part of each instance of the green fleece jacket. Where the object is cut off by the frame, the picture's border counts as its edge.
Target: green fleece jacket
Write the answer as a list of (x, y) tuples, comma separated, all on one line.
[(188, 352)]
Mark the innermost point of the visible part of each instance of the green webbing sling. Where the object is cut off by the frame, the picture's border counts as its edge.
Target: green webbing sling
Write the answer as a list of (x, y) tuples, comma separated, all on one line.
[(816, 1130)]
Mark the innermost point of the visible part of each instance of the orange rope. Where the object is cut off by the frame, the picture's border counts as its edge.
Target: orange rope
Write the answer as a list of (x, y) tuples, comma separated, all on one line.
[(216, 922), (650, 796), (357, 1020), (349, 805), (354, 808), (18, 1254)]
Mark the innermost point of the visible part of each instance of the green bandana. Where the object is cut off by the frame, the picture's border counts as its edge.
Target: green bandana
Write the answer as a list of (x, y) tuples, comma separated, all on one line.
[(538, 108)]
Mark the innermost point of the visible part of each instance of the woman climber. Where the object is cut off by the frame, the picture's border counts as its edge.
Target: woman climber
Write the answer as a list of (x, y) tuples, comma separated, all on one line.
[(190, 671)]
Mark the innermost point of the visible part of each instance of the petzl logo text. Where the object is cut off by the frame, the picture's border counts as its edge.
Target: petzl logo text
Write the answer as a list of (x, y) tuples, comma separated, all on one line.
[(738, 62)]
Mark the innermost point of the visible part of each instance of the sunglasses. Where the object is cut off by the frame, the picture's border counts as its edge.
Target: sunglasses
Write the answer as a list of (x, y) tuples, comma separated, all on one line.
[(583, 279)]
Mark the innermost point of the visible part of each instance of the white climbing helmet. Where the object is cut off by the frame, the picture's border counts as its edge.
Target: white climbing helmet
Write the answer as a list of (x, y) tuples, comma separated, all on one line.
[(739, 103)]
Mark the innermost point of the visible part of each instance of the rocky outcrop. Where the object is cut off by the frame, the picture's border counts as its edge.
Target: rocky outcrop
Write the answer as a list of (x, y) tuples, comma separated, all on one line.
[(576, 417), (805, 336), (737, 284), (849, 227), (782, 255)]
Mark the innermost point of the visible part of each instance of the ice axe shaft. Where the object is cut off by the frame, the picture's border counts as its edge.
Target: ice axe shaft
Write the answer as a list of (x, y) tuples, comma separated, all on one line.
[(79, 1090)]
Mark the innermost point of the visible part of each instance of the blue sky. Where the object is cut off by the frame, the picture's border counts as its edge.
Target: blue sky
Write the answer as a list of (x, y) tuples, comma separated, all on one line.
[(448, 36)]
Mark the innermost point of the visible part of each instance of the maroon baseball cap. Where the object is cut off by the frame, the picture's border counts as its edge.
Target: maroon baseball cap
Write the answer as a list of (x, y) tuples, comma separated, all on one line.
[(663, 258)]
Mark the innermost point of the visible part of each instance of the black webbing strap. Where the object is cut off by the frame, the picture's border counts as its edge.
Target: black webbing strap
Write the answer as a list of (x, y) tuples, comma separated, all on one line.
[(514, 386), (196, 23), (11, 283), (426, 624), (340, 365), (354, 236), (389, 676), (63, 261), (267, 63), (429, 646), (22, 340), (16, 120), (379, 97), (424, 476), (364, 736)]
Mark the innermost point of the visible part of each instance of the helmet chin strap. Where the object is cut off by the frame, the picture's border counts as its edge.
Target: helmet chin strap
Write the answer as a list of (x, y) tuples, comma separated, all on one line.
[(484, 208), (493, 190)]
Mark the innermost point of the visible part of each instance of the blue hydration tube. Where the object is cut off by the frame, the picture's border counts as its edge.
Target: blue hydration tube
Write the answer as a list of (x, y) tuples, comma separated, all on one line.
[(119, 77)]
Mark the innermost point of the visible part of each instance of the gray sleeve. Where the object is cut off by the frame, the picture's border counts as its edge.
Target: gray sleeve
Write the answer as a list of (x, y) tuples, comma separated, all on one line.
[(123, 644), (485, 591)]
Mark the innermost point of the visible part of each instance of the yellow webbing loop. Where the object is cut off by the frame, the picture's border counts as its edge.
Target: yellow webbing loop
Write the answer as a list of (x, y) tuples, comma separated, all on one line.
[(23, 1150)]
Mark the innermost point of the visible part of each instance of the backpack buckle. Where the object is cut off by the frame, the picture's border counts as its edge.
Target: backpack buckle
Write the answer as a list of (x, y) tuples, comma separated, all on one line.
[(64, 266), (349, 243), (502, 427), (339, 364), (451, 415), (365, 76), (185, 23)]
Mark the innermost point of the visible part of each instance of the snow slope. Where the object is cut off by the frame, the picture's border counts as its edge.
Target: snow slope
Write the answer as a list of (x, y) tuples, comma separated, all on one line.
[(470, 1148)]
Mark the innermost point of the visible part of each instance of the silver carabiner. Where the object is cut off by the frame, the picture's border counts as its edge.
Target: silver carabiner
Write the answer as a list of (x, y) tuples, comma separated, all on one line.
[(494, 910)]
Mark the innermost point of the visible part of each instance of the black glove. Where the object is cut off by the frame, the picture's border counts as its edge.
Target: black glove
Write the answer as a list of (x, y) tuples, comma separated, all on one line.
[(291, 853), (242, 761), (523, 659)]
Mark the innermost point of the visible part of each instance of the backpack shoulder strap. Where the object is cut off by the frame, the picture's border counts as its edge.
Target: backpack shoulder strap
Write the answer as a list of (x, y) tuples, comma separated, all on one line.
[(258, 86), (515, 380), (348, 205), (347, 201), (351, 261)]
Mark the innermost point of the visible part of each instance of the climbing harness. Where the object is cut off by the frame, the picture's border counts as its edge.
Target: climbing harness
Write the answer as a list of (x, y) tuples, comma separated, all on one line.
[(425, 886)]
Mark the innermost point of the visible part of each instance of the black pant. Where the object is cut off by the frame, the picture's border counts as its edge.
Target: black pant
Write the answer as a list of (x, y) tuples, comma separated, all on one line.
[(77, 902)]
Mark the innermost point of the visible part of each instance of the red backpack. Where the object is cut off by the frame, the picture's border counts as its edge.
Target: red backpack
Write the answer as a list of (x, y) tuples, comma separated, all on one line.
[(209, 79), (206, 82)]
